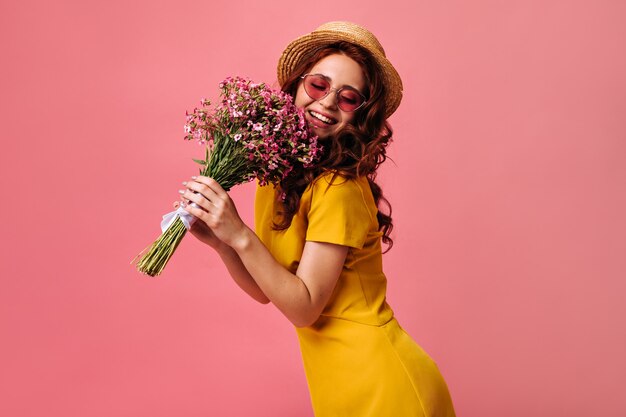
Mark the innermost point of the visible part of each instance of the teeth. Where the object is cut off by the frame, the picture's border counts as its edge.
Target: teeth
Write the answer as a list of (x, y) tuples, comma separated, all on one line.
[(320, 117)]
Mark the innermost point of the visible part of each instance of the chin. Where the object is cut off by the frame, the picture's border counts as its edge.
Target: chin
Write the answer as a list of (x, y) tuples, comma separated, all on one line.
[(323, 136)]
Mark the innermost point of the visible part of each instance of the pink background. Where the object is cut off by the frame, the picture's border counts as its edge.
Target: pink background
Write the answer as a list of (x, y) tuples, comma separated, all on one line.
[(508, 190)]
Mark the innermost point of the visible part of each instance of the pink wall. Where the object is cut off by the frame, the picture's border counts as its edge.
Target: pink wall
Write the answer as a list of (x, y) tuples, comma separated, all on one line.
[(508, 191)]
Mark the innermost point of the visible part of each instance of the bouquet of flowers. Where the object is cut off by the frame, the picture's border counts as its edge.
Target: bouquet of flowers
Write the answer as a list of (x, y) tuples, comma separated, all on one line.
[(255, 132)]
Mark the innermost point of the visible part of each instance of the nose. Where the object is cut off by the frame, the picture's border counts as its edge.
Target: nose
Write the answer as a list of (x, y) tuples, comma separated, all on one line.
[(330, 101)]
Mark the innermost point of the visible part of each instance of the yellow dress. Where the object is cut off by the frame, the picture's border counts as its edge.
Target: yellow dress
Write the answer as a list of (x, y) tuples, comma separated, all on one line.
[(357, 359)]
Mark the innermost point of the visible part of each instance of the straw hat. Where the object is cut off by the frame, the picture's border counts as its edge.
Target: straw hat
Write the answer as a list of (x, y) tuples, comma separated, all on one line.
[(303, 47)]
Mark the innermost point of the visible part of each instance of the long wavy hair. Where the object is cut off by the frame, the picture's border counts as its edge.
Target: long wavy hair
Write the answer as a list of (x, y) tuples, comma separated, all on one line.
[(357, 150)]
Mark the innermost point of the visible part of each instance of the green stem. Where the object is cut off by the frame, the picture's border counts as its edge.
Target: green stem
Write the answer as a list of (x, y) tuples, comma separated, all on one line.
[(160, 252)]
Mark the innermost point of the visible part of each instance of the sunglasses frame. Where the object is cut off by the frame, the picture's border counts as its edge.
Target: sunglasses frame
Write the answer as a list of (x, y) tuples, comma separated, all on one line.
[(337, 91)]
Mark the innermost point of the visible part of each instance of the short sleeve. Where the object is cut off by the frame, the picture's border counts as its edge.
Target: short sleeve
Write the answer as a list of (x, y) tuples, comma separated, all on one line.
[(338, 212)]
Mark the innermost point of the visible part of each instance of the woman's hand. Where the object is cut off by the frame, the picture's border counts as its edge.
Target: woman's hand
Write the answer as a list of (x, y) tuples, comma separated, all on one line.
[(217, 214), (201, 231)]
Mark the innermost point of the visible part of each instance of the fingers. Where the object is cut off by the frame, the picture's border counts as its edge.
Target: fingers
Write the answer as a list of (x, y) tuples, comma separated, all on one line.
[(198, 212), (195, 197), (208, 188), (200, 191), (211, 184), (207, 194)]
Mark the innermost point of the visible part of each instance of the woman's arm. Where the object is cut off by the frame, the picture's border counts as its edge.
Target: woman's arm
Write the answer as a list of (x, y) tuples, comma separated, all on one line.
[(301, 297), (235, 267), (240, 274)]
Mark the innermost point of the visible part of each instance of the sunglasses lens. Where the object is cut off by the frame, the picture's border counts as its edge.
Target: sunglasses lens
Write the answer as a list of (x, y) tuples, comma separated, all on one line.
[(316, 87), (349, 100)]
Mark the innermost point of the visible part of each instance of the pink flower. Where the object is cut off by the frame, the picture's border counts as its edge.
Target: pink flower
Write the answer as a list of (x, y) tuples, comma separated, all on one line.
[(263, 121)]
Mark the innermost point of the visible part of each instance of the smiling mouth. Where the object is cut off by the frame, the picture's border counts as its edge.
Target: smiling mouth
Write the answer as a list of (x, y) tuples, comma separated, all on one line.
[(322, 118)]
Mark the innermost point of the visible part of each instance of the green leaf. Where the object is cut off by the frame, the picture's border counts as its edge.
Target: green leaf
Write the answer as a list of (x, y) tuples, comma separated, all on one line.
[(199, 161)]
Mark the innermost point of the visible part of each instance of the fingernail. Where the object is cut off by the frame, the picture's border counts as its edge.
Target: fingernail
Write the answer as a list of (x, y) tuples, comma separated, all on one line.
[(184, 182), (194, 177), (181, 191)]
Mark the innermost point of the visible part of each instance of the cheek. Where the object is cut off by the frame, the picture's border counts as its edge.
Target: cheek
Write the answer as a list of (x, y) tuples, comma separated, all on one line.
[(301, 100), (346, 118)]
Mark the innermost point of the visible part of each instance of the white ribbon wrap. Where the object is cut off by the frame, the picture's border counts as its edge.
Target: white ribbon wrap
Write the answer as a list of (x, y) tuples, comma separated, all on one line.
[(186, 217)]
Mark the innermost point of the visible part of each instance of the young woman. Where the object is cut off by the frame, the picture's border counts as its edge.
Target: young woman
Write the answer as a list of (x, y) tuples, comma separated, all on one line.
[(316, 254)]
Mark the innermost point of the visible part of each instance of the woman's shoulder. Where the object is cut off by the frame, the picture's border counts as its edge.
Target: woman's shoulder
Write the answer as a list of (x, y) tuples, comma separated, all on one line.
[(336, 188), (340, 209), (338, 181)]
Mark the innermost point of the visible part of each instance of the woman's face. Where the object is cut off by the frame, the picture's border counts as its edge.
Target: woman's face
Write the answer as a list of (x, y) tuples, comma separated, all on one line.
[(341, 71)]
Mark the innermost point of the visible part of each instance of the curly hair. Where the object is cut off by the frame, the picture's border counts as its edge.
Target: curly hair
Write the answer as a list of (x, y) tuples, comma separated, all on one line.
[(357, 150)]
